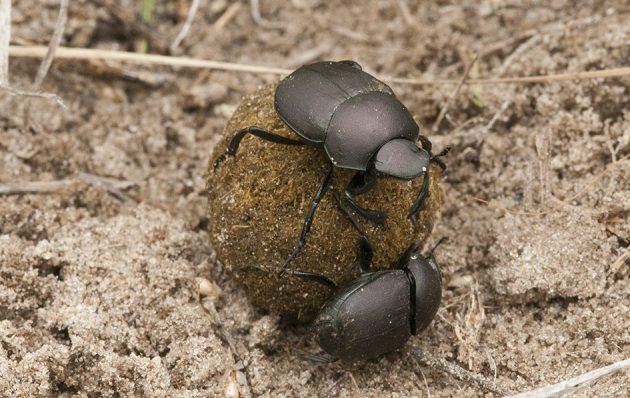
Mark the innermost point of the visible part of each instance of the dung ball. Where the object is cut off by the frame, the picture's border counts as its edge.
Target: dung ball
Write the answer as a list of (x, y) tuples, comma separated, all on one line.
[(258, 200)]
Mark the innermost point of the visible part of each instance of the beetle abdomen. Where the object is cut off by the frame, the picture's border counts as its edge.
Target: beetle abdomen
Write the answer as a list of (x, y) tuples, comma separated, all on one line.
[(307, 98), (368, 318), (362, 124)]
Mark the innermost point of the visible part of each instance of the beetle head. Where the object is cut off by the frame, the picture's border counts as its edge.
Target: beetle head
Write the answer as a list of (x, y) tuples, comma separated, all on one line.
[(401, 158)]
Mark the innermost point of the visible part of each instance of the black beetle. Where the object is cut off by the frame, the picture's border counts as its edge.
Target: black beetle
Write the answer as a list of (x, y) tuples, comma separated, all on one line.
[(377, 312), (361, 125), (380, 310)]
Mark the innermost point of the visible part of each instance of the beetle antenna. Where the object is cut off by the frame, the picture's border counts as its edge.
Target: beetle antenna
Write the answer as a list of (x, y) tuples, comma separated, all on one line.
[(439, 242), (436, 158)]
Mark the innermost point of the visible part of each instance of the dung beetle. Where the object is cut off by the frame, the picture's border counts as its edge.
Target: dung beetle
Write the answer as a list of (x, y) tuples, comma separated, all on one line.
[(360, 124), (380, 310)]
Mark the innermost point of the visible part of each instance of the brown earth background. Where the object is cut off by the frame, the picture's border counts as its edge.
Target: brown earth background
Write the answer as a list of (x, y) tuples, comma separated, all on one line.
[(97, 277)]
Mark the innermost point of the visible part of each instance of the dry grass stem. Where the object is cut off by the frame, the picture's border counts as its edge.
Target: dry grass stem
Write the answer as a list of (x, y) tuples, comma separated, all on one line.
[(571, 385), (44, 66), (620, 261), (454, 93), (35, 187), (529, 43), (526, 35), (426, 384), (458, 372), (542, 149), (194, 6), (406, 13), (257, 16), (55, 40), (496, 116), (152, 59), (207, 304), (5, 39), (227, 16), (143, 59), (354, 382), (595, 74), (114, 187), (20, 93), (492, 363), (468, 326), (566, 201)]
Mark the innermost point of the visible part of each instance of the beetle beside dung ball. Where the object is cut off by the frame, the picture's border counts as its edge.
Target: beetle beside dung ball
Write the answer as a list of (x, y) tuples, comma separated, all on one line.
[(380, 310), (259, 199)]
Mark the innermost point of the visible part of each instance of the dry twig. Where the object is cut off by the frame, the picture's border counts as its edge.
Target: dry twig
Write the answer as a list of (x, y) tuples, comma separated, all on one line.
[(113, 186), (406, 13), (587, 187), (5, 38), (620, 261), (35, 187), (457, 372), (146, 59), (192, 11), (44, 66), (571, 385), (496, 117), (257, 16), (55, 40), (454, 93), (226, 17), (237, 358), (20, 93)]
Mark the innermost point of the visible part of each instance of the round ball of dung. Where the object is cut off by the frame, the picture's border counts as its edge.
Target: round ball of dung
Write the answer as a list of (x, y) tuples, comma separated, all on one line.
[(258, 200)]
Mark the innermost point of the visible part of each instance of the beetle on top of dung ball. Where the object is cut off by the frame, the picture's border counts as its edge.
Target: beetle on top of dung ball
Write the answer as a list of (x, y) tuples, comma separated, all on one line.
[(358, 125)]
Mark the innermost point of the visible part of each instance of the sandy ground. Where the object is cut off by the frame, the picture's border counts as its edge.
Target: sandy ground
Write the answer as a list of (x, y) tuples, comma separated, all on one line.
[(97, 294)]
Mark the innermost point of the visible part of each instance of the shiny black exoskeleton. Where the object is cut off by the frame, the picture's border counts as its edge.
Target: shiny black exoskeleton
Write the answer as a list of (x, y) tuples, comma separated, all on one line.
[(360, 124), (378, 312)]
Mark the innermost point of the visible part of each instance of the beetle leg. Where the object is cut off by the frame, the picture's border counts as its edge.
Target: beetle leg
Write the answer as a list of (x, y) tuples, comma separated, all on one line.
[(365, 248), (257, 132), (365, 255), (418, 204), (308, 220), (312, 276), (319, 278), (361, 183), (429, 256)]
